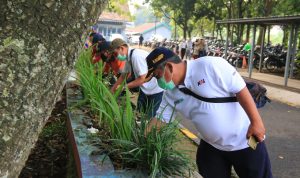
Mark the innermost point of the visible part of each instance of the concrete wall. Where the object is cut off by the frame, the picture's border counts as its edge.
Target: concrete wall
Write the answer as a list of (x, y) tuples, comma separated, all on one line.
[(39, 41)]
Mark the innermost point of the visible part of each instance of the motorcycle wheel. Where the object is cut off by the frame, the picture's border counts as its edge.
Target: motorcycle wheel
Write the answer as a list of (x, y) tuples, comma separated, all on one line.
[(239, 63), (271, 65), (256, 64)]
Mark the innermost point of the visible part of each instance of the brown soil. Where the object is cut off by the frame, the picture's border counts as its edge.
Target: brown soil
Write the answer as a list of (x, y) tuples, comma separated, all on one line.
[(49, 157)]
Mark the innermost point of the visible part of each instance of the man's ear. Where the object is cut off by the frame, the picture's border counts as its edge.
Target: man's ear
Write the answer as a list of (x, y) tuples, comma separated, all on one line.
[(170, 66)]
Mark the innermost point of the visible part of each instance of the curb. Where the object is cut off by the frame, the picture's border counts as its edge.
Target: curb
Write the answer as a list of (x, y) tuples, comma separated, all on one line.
[(189, 134)]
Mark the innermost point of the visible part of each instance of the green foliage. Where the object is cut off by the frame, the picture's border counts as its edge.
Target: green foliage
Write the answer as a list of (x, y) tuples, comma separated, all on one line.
[(118, 117), (56, 127), (286, 7), (179, 11), (120, 7), (154, 152)]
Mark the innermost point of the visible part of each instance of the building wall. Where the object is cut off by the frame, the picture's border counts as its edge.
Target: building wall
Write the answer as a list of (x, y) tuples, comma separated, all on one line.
[(108, 28), (162, 31)]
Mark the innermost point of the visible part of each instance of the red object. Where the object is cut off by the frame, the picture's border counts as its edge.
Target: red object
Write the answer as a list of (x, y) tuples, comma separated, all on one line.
[(115, 66), (244, 62)]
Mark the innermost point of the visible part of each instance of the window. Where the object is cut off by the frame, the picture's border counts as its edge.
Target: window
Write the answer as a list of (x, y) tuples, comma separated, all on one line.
[(104, 31), (101, 30), (119, 30), (108, 31)]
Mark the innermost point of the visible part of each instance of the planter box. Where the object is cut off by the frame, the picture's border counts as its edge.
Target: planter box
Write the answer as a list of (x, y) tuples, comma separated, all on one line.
[(87, 155)]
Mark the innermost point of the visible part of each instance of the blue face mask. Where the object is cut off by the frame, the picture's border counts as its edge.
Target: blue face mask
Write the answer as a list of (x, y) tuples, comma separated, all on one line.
[(165, 85)]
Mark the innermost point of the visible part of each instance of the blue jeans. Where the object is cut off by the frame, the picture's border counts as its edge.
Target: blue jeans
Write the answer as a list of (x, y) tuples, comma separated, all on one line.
[(149, 104), (247, 163)]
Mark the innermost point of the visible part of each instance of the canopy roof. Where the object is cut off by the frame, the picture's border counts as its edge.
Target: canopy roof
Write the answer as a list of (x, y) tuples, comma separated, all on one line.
[(282, 20)]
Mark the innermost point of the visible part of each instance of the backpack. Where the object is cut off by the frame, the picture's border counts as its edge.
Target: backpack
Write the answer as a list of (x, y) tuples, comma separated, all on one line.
[(132, 76), (257, 91)]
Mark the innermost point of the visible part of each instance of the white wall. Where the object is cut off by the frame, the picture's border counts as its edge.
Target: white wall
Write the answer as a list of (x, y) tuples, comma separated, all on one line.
[(162, 31)]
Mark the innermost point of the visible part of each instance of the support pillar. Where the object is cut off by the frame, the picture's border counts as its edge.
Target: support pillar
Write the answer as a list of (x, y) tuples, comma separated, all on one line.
[(227, 42), (288, 57), (252, 51), (262, 46)]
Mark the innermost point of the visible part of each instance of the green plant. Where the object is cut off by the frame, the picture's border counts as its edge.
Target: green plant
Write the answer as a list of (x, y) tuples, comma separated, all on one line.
[(56, 127), (154, 152), (112, 111)]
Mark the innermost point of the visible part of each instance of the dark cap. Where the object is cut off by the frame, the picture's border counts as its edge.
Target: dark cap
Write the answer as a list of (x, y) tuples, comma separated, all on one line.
[(105, 45), (96, 37), (117, 43), (156, 57)]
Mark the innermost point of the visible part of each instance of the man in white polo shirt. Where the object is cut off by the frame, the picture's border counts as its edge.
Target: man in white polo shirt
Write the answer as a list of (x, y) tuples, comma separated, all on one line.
[(224, 126), (150, 94)]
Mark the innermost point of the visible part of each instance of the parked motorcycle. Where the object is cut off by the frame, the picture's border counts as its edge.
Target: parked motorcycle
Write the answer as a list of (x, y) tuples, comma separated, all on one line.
[(274, 62)]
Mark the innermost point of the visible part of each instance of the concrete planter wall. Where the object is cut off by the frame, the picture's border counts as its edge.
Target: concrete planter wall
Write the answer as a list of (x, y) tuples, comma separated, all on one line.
[(88, 156)]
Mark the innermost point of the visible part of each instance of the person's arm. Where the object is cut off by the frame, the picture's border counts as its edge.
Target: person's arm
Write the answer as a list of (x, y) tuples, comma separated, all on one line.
[(118, 82), (137, 82), (256, 127), (106, 68), (154, 122)]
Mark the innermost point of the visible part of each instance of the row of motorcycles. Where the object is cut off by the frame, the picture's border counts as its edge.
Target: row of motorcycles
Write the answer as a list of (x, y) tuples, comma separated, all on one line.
[(274, 57)]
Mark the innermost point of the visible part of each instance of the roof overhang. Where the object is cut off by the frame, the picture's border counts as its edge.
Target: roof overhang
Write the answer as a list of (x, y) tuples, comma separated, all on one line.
[(282, 20)]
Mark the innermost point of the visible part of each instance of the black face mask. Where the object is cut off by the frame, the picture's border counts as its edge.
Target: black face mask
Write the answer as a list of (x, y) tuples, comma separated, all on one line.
[(103, 57)]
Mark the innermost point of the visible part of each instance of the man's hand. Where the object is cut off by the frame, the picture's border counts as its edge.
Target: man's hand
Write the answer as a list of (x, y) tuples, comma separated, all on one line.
[(153, 123), (117, 84), (256, 128)]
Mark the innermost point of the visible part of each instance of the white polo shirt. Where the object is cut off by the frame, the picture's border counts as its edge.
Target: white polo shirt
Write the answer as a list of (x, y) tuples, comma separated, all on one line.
[(223, 125), (139, 65)]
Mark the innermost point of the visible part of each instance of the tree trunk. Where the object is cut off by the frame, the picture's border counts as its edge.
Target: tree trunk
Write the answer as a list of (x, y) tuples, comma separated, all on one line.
[(39, 42), (214, 28), (239, 27), (269, 33), (185, 28), (258, 42), (285, 36), (248, 33), (267, 11), (220, 32), (175, 31), (241, 33)]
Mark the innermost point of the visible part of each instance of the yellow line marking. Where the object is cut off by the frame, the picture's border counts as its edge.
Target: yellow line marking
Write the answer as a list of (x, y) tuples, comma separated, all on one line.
[(188, 134)]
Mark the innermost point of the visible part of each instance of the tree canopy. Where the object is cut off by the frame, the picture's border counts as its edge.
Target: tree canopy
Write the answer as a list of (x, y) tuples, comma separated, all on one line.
[(190, 14)]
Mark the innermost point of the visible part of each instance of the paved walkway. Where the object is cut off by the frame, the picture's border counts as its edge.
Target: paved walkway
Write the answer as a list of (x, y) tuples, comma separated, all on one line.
[(275, 87)]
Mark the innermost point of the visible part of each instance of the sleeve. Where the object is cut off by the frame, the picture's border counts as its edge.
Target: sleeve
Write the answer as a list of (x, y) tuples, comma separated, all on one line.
[(227, 76), (139, 64), (106, 68), (165, 111)]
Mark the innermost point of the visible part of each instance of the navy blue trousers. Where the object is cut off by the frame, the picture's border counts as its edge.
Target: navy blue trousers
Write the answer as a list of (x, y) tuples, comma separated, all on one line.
[(247, 163), (149, 103)]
